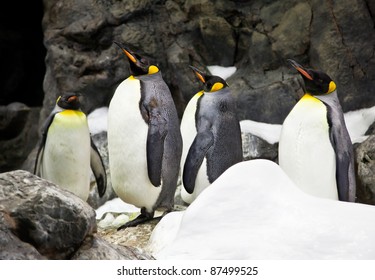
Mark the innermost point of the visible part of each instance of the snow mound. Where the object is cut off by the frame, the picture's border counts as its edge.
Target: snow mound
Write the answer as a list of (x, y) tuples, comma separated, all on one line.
[(97, 120), (358, 122), (254, 211), (221, 71), (268, 132), (115, 205)]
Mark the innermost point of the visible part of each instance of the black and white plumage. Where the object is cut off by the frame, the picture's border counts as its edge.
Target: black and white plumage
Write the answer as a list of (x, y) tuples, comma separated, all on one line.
[(66, 153), (215, 143), (315, 148)]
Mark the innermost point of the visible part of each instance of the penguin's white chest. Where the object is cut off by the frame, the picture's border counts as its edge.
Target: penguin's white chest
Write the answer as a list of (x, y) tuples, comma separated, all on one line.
[(305, 151), (66, 155), (188, 127), (127, 138), (188, 132)]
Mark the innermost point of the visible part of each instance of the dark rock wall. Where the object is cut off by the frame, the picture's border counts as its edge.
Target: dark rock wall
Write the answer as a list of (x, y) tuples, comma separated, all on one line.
[(255, 36)]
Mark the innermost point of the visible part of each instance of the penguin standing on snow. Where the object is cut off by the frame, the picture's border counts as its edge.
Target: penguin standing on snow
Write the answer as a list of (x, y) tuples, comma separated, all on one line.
[(66, 151), (315, 149), (211, 136), (144, 139)]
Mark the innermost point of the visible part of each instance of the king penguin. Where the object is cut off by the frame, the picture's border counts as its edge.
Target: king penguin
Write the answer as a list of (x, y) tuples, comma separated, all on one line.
[(315, 148), (66, 154), (144, 139), (211, 136)]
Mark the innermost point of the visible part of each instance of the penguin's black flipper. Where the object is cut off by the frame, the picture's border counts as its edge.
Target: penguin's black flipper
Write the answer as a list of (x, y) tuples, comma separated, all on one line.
[(341, 142), (157, 132), (97, 167), (198, 149), (42, 142)]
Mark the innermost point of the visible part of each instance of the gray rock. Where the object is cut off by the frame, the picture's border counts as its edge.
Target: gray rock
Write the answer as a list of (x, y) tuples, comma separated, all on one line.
[(101, 142), (52, 220), (11, 247), (96, 248), (365, 160), (342, 45), (371, 129), (255, 36), (254, 147), (18, 134)]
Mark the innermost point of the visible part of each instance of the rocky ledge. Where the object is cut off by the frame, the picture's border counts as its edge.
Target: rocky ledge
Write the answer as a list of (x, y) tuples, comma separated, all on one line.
[(38, 220)]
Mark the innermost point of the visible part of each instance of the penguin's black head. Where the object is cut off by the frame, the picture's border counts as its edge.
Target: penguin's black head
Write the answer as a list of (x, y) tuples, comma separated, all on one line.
[(139, 64), (210, 83), (316, 82), (69, 101)]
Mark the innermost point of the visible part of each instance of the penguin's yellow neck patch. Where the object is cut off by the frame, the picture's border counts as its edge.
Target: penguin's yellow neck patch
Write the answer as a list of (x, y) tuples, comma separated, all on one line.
[(309, 98), (153, 69), (70, 113), (199, 94), (217, 86), (332, 87)]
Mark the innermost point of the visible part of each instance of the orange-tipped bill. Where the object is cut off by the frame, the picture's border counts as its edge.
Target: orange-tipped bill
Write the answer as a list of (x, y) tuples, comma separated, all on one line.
[(126, 52), (300, 69), (199, 74)]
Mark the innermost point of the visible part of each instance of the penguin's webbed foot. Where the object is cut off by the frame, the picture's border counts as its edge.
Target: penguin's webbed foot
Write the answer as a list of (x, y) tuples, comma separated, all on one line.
[(142, 218)]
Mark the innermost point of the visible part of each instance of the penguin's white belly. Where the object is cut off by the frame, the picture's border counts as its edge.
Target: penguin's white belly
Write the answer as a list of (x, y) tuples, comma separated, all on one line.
[(305, 151), (201, 183), (127, 138), (66, 155), (188, 132), (188, 128)]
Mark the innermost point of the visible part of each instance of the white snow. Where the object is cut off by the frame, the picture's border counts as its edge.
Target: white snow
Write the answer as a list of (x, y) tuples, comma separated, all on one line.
[(254, 211), (358, 122), (268, 132), (97, 120), (223, 72), (115, 205)]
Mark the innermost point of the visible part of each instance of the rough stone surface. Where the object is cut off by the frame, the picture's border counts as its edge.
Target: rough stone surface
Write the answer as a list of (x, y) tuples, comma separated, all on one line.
[(39, 220), (254, 147), (18, 134), (131, 237), (97, 248), (12, 248), (255, 36), (94, 200), (54, 221), (365, 159)]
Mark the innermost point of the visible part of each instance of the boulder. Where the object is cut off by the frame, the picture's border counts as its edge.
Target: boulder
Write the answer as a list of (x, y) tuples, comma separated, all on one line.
[(39, 220), (52, 220), (365, 161), (254, 147)]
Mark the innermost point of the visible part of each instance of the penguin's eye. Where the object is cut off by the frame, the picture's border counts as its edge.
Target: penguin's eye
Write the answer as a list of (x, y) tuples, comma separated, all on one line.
[(72, 98)]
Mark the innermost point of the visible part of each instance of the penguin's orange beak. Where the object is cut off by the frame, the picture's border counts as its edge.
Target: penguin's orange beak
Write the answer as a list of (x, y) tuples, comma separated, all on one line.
[(198, 73), (300, 69), (126, 52)]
